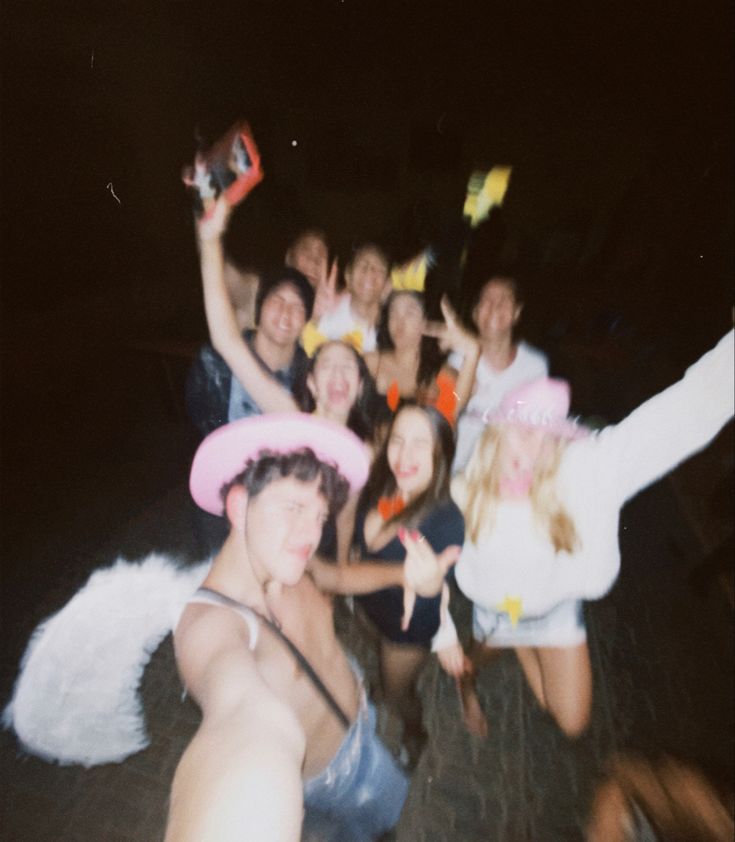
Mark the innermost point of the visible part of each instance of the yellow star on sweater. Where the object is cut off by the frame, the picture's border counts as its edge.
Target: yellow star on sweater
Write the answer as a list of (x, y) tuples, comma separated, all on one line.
[(512, 606)]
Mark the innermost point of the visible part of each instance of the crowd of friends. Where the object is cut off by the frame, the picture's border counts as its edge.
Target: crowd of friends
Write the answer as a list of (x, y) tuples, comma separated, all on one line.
[(470, 457)]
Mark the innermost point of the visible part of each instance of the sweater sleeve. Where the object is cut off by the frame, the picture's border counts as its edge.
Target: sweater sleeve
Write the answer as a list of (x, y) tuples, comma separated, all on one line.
[(670, 426)]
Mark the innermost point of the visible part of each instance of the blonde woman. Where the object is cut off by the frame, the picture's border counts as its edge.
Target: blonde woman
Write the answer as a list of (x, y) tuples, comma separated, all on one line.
[(541, 500)]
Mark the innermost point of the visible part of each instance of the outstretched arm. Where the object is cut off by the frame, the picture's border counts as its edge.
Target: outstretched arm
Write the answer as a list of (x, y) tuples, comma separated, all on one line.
[(670, 426), (221, 321), (357, 577), (240, 777)]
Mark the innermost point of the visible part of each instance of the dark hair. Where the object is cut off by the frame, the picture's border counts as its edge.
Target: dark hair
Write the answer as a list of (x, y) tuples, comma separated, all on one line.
[(270, 281), (303, 465), (431, 358), (360, 419), (360, 248), (382, 483), (510, 279), (305, 234)]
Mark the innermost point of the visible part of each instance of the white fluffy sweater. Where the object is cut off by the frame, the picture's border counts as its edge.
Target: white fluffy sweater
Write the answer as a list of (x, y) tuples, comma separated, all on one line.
[(515, 560)]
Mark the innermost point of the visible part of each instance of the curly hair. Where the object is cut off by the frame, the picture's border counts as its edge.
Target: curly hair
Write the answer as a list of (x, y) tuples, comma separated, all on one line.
[(303, 465)]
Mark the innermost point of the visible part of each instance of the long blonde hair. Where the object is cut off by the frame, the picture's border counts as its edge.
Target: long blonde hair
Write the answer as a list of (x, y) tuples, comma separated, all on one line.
[(477, 491)]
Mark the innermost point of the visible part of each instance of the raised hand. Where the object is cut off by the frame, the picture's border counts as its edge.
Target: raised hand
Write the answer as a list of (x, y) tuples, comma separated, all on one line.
[(423, 570), (451, 333), (212, 226), (453, 660), (326, 296)]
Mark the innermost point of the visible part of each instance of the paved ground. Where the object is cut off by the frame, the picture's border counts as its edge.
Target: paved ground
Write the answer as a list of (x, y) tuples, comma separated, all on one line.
[(661, 643)]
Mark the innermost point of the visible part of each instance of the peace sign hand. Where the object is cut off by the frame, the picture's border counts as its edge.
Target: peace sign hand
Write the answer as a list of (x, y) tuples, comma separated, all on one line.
[(326, 296), (451, 333)]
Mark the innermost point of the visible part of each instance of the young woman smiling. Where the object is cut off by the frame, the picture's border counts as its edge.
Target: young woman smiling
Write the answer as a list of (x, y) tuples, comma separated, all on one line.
[(542, 499), (409, 363), (405, 508)]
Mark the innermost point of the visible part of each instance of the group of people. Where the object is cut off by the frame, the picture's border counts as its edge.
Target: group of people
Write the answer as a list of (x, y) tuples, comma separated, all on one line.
[(351, 453)]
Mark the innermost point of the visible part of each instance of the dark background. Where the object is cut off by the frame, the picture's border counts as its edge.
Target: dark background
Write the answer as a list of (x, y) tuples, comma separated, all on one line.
[(617, 119)]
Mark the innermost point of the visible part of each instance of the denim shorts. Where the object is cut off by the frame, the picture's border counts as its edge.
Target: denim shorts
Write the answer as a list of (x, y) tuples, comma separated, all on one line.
[(360, 795), (563, 626)]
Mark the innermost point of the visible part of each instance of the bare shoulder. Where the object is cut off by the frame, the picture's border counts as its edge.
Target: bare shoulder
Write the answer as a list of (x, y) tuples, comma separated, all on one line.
[(213, 654)]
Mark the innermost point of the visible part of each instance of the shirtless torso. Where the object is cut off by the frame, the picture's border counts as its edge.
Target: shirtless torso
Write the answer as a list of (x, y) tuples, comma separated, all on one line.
[(305, 617)]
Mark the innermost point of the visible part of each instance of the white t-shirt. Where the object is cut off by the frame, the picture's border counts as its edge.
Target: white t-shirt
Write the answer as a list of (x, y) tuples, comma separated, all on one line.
[(342, 322), (489, 389)]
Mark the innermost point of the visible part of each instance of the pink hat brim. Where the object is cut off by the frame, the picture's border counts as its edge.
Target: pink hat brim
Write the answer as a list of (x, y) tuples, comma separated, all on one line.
[(224, 453), (562, 428)]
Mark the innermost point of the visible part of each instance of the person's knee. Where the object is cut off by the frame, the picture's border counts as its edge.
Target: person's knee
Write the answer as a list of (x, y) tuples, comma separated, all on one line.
[(573, 719)]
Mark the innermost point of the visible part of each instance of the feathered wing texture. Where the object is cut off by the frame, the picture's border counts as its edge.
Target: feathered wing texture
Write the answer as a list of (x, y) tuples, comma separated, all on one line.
[(76, 697)]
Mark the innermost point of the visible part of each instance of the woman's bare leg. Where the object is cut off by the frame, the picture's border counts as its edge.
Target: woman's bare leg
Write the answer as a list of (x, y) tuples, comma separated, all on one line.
[(531, 663), (475, 720), (400, 667), (566, 674)]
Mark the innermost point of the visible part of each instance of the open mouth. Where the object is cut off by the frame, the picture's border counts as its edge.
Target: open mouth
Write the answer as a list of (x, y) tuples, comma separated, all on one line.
[(337, 394), (301, 553)]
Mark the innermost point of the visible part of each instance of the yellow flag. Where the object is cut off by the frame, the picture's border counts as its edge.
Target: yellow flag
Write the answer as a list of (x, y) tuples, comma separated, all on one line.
[(485, 190), (412, 275)]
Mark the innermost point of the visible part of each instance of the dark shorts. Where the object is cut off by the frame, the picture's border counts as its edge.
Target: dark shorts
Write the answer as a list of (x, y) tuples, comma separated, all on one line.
[(385, 609), (360, 795)]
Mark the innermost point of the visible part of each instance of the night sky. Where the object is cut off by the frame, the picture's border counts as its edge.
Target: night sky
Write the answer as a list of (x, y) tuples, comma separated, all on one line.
[(601, 107), (617, 119)]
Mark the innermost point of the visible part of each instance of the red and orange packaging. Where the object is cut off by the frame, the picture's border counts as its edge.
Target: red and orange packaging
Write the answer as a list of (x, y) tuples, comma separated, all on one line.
[(230, 167)]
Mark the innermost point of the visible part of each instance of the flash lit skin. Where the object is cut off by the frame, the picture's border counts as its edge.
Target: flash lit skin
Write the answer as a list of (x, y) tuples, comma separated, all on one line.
[(366, 278), (265, 728), (282, 317), (521, 450), (410, 452), (283, 527), (496, 311), (335, 382), (309, 254), (406, 322)]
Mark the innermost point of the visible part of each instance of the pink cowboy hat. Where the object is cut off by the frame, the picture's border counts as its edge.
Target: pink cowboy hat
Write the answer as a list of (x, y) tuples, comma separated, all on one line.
[(225, 452), (542, 403)]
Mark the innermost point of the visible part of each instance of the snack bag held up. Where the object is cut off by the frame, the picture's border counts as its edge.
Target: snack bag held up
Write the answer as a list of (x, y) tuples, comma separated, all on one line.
[(231, 166)]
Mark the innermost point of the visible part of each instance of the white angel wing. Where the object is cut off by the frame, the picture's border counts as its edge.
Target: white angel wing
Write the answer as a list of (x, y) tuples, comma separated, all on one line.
[(76, 697)]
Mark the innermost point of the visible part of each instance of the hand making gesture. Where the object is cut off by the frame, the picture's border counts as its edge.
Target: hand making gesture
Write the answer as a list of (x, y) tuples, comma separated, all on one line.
[(326, 296), (423, 570)]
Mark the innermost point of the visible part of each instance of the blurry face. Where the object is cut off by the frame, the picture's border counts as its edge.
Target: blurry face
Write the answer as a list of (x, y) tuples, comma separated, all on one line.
[(497, 310), (283, 527), (520, 451), (410, 452), (310, 256), (367, 277), (406, 321), (335, 381), (282, 316)]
